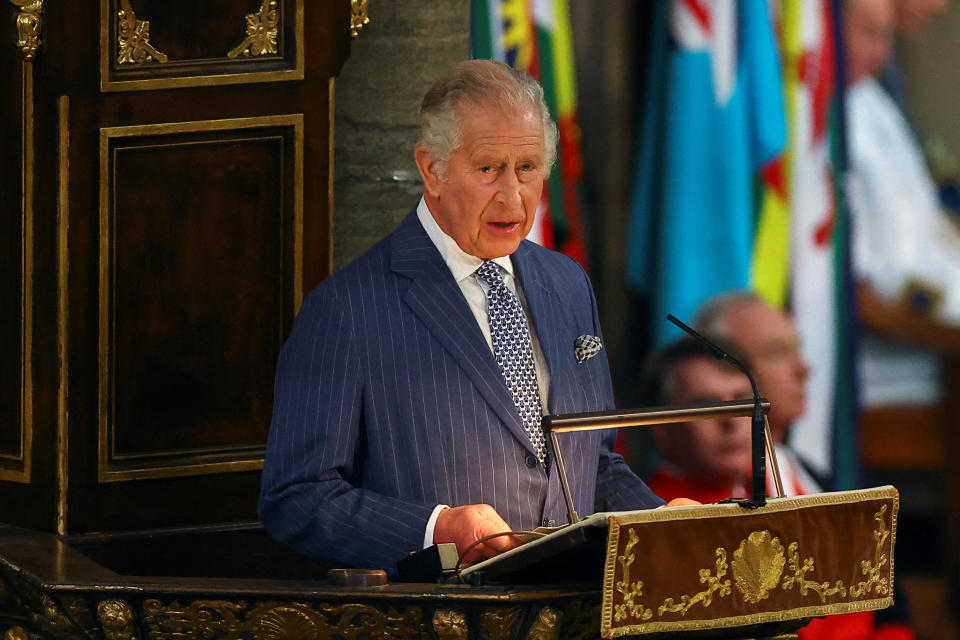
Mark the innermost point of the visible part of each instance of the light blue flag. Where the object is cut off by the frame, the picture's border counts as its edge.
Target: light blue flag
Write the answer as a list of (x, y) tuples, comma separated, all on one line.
[(714, 115)]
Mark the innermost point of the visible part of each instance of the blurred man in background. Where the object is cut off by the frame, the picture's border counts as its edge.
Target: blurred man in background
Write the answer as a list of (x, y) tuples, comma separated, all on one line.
[(707, 460), (769, 342)]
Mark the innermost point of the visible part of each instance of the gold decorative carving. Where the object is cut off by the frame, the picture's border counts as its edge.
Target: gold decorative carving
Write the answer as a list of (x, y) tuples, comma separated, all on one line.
[(201, 618), (15, 633), (581, 619), (262, 28), (875, 581), (757, 565), (133, 38), (116, 619), (28, 26), (358, 16), (278, 621), (798, 578), (286, 623), (79, 612), (632, 591), (714, 584), (450, 624), (546, 626), (498, 622), (54, 616)]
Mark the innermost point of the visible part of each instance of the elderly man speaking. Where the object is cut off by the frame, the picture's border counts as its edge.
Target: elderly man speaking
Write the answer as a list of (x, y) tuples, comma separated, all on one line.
[(410, 392)]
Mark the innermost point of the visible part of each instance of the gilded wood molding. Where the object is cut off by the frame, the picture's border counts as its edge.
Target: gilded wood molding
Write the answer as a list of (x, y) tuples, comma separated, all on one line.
[(262, 29), (63, 309), (359, 17), (28, 26), (133, 38), (16, 466), (273, 620), (117, 76)]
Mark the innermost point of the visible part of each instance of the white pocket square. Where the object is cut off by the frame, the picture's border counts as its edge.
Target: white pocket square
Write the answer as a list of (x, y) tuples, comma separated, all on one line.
[(586, 346)]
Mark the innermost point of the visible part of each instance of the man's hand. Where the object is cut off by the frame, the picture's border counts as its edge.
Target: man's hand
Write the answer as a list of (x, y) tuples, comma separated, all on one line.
[(682, 502), (465, 525)]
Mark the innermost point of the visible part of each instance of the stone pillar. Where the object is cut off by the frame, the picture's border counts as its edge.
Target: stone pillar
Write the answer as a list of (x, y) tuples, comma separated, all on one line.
[(403, 50)]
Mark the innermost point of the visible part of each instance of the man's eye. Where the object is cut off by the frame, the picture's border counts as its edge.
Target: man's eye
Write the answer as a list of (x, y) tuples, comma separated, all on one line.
[(526, 166), (486, 169)]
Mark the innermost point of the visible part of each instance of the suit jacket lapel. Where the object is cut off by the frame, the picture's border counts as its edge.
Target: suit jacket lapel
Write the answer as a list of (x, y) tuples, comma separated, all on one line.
[(435, 297), (553, 332)]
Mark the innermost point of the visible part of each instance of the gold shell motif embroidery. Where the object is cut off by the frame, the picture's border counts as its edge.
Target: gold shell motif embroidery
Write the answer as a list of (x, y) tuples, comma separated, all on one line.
[(757, 565)]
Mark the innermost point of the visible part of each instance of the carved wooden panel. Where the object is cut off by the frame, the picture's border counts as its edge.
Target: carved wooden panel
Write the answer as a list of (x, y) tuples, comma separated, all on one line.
[(158, 44), (201, 233), (154, 246)]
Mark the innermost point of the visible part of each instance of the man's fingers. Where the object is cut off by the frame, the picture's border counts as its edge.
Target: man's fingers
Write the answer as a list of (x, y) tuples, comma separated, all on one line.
[(683, 502), (465, 525)]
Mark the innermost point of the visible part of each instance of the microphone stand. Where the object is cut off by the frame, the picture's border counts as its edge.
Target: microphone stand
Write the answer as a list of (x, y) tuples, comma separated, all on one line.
[(759, 428), (761, 442), (553, 425)]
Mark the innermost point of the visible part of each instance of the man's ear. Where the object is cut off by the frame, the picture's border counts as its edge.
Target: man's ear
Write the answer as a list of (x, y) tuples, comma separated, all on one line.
[(428, 171)]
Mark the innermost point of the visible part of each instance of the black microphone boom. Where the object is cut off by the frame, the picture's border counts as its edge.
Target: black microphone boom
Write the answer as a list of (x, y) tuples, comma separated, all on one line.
[(757, 434)]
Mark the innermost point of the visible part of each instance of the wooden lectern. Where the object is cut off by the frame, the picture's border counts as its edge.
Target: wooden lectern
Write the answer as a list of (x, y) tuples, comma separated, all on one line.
[(717, 571)]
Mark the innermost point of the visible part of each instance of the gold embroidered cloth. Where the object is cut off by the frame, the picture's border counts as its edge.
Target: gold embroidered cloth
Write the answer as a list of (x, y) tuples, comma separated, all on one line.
[(720, 566)]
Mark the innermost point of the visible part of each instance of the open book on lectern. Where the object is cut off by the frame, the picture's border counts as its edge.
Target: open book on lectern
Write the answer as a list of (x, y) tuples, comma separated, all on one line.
[(573, 553)]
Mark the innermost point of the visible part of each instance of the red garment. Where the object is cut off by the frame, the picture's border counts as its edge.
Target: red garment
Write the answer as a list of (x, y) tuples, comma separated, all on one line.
[(855, 626), (670, 485), (848, 626)]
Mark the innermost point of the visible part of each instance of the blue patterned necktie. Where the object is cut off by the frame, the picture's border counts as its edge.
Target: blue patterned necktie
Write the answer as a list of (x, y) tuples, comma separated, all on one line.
[(513, 350)]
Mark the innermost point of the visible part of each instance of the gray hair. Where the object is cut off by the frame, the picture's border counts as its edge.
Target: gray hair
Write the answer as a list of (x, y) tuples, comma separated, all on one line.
[(711, 318), (479, 83)]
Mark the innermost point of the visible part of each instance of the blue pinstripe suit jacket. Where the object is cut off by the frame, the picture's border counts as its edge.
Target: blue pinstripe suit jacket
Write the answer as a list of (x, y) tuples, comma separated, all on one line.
[(388, 402)]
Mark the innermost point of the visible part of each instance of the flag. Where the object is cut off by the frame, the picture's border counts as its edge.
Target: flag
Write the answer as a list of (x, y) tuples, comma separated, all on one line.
[(535, 36), (713, 120), (698, 230), (821, 292)]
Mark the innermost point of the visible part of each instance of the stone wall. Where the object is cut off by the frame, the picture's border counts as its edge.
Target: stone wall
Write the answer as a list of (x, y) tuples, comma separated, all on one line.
[(403, 50)]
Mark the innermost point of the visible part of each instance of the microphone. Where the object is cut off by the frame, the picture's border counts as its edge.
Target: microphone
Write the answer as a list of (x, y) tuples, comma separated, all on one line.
[(757, 432)]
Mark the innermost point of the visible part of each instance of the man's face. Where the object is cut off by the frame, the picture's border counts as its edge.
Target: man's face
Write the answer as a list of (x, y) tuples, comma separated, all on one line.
[(913, 15), (716, 450), (492, 188), (869, 31), (769, 339)]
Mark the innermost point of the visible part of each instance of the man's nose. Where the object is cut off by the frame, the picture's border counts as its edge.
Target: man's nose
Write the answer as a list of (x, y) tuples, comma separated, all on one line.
[(509, 192)]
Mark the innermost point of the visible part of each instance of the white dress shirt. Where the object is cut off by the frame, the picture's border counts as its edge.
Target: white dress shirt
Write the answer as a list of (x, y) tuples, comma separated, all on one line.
[(463, 266)]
